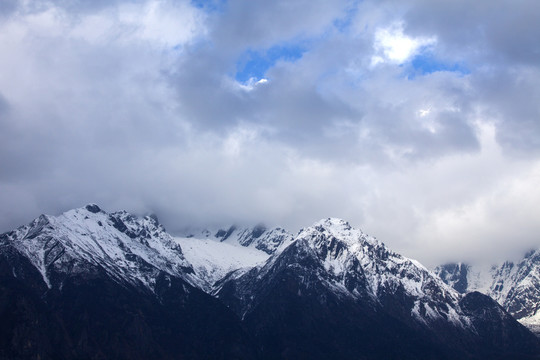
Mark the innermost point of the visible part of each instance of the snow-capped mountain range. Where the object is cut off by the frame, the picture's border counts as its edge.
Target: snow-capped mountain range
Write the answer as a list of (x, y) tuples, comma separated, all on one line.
[(331, 291), (516, 286)]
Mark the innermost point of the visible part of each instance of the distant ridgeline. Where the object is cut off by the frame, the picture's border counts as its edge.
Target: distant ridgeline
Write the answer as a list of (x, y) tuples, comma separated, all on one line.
[(515, 286)]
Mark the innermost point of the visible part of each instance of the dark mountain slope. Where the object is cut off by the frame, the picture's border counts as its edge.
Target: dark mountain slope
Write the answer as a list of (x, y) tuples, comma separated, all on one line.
[(338, 293)]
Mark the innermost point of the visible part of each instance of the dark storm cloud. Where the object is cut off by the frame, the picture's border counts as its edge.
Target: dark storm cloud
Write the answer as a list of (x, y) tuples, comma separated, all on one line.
[(136, 105)]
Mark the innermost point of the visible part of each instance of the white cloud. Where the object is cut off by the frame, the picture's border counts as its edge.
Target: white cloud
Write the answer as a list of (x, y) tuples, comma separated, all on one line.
[(496, 224), (249, 85), (164, 22), (424, 112), (235, 142), (392, 45)]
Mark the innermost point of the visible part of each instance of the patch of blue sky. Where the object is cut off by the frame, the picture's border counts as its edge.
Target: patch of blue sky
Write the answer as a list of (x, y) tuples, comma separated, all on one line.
[(209, 5), (343, 23), (255, 64), (426, 63)]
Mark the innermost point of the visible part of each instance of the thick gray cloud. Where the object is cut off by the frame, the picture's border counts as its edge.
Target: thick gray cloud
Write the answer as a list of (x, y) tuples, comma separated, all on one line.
[(510, 96), (8, 7), (416, 120), (261, 24), (497, 39), (484, 31)]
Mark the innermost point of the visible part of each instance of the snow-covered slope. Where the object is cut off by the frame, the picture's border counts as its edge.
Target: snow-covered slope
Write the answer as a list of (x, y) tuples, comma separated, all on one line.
[(464, 278), (86, 240), (216, 253), (212, 260), (516, 286), (258, 237)]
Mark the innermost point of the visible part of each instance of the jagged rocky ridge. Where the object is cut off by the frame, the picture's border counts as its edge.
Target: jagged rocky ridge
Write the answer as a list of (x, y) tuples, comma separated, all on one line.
[(129, 249), (515, 286), (88, 284)]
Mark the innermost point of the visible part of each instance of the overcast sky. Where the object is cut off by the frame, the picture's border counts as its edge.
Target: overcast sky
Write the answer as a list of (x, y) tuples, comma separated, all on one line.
[(417, 121)]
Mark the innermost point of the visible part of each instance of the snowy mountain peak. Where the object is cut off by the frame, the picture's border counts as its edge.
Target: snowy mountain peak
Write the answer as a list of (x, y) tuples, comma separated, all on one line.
[(333, 223), (334, 228), (88, 240), (341, 246)]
